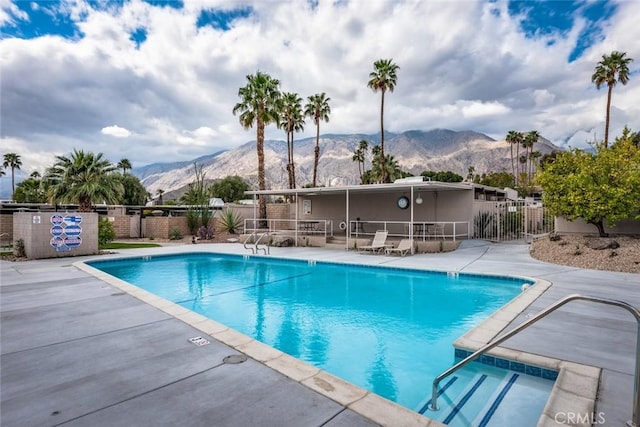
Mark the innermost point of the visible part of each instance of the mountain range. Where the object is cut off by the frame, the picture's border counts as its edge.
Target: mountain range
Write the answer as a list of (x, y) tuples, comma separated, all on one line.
[(416, 151)]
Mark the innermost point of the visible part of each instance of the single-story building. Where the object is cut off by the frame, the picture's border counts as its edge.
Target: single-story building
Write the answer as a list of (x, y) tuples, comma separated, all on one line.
[(412, 208)]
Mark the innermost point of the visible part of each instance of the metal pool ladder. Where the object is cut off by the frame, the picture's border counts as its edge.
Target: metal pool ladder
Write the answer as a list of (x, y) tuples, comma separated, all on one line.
[(254, 248), (635, 420)]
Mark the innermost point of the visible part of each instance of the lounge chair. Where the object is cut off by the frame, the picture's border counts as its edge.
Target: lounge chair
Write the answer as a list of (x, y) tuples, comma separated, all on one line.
[(404, 247), (377, 244)]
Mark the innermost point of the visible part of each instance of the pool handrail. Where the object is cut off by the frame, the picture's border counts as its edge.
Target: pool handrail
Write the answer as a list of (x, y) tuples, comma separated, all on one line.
[(635, 420), (256, 241)]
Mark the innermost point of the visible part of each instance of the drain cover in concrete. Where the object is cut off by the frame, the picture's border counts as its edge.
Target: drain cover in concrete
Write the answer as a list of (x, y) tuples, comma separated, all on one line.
[(199, 341), (234, 359)]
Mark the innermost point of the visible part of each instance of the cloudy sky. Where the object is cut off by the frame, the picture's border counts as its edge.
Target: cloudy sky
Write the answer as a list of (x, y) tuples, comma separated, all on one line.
[(156, 81)]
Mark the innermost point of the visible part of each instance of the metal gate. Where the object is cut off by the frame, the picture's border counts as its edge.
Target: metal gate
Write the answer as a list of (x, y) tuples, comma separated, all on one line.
[(510, 220)]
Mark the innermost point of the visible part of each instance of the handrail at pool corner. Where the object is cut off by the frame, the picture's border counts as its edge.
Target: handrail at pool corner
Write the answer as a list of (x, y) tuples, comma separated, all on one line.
[(635, 420)]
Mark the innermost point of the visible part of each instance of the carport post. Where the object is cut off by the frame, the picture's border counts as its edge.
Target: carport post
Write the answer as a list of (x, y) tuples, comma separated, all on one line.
[(347, 230)]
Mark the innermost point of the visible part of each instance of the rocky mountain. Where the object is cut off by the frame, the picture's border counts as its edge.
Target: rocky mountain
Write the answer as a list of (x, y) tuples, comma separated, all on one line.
[(415, 151)]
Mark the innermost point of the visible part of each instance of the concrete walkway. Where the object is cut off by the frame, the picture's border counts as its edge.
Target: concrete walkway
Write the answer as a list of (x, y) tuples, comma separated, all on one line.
[(76, 351)]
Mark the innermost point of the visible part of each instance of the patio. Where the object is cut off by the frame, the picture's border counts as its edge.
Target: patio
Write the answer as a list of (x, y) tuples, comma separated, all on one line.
[(77, 351)]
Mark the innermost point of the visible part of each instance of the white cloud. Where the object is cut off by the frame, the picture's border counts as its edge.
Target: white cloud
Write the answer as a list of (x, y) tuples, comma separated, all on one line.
[(463, 65), (116, 131)]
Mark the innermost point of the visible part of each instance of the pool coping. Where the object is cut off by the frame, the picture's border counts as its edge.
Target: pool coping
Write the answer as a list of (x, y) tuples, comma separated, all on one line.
[(575, 388)]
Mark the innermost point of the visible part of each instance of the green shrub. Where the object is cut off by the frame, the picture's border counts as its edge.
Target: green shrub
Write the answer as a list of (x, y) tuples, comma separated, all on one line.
[(106, 232), (192, 220), (229, 221), (175, 233)]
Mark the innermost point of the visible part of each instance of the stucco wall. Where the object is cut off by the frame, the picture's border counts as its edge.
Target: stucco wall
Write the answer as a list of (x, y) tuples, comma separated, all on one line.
[(36, 229), (628, 226)]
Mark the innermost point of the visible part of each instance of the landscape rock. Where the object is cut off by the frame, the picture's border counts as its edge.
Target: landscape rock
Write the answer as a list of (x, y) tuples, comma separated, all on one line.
[(282, 241), (601, 244)]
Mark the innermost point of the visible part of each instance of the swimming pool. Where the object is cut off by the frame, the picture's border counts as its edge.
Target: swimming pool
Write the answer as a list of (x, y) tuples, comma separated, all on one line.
[(387, 330)]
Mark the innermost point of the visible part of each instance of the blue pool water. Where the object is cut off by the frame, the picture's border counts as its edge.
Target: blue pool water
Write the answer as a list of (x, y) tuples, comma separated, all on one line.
[(387, 330)]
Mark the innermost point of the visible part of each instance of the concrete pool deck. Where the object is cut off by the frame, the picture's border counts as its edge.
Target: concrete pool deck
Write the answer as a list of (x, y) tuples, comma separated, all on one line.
[(77, 351)]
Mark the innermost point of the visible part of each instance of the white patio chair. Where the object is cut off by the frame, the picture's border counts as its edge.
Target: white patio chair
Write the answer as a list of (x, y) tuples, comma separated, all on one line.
[(404, 247), (378, 244)]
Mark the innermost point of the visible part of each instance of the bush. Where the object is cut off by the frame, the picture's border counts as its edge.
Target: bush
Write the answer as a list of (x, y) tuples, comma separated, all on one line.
[(229, 221), (175, 233), (18, 249), (205, 233), (106, 232), (192, 220)]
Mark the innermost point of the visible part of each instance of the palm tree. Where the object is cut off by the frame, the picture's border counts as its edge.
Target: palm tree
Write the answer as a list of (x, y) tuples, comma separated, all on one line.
[(533, 159), (360, 155), (125, 165), (259, 105), (160, 192), (317, 108), (12, 160), (514, 138), (383, 78), (292, 120), (610, 70), (84, 178), (35, 175), (532, 137)]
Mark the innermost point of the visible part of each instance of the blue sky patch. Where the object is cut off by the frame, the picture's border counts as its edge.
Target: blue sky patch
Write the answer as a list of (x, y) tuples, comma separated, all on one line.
[(44, 18), (222, 19), (557, 17), (138, 36), (175, 4)]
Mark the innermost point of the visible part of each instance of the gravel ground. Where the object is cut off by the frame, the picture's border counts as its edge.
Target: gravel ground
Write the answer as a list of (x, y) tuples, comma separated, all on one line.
[(571, 250)]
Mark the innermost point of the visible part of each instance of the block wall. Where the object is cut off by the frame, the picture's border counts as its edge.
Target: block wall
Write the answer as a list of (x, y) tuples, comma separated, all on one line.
[(6, 228), (42, 241)]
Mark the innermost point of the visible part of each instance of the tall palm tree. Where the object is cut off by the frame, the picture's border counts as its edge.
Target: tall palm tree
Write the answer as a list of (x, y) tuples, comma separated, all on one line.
[(514, 138), (610, 70), (13, 161), (383, 78), (125, 165), (291, 120), (160, 192), (532, 137), (360, 155), (317, 108), (259, 105), (84, 178), (533, 159)]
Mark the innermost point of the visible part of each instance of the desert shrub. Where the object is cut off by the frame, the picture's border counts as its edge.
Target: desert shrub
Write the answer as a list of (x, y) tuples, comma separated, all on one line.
[(192, 220), (175, 233), (484, 225), (106, 232), (229, 221), (205, 233), (18, 249)]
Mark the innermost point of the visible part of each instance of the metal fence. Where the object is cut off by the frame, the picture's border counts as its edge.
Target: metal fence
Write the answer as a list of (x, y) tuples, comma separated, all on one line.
[(510, 220)]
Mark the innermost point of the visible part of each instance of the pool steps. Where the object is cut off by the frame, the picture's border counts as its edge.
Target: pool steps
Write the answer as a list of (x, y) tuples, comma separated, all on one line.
[(489, 397)]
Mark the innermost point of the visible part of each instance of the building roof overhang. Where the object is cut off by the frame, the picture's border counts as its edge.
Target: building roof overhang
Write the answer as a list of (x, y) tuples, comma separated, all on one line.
[(424, 186)]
